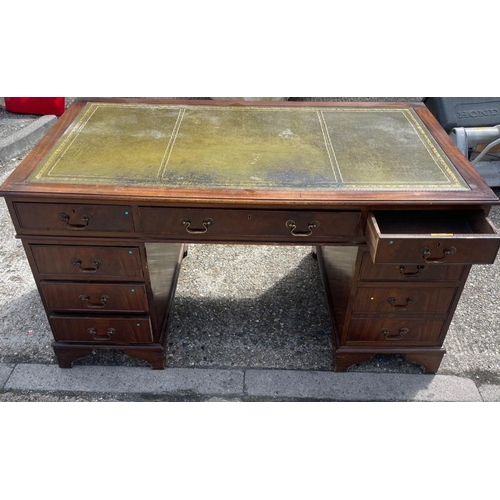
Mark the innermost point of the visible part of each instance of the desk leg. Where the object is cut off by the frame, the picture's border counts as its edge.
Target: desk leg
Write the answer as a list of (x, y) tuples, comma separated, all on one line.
[(152, 354), (429, 359), (66, 355)]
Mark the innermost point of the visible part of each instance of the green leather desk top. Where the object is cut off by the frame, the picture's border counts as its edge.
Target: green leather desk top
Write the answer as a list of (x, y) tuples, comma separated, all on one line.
[(235, 147)]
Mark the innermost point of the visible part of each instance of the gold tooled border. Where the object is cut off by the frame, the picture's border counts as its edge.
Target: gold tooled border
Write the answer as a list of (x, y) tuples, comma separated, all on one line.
[(44, 172)]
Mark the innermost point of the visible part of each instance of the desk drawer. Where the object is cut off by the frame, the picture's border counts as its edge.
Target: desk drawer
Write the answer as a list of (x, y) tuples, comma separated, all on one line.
[(73, 218), (217, 224), (88, 262), (407, 272), (96, 297), (404, 300), (136, 330), (393, 331), (431, 237)]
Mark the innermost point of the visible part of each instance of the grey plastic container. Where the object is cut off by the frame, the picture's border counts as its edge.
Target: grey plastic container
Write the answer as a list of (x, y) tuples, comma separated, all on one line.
[(453, 112)]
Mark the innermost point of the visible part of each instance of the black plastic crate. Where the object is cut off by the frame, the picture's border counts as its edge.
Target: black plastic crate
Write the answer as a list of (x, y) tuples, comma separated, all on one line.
[(453, 112)]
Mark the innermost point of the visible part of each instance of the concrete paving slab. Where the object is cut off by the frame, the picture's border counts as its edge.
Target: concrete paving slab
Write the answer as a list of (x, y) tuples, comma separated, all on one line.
[(5, 372), (359, 386), (490, 393), (230, 385), (119, 379)]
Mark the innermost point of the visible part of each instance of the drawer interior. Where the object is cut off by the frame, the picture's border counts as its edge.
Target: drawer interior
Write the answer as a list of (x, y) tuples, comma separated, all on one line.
[(433, 222)]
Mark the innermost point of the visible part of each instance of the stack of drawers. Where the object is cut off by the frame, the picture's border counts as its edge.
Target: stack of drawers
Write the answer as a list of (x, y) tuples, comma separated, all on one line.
[(398, 293), (98, 281), (100, 290), (402, 304), (404, 308), (389, 308)]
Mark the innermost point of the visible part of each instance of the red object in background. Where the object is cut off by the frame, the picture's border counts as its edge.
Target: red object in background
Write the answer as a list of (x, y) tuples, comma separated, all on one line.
[(35, 105)]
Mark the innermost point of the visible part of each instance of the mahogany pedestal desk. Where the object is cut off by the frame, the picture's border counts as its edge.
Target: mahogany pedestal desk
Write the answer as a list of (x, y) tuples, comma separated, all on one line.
[(105, 203)]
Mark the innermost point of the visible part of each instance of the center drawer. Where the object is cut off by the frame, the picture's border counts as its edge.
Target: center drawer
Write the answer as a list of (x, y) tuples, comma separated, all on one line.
[(218, 224), (95, 297), (431, 237)]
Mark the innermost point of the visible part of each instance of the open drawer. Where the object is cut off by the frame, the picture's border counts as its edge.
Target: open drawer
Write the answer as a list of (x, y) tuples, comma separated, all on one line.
[(431, 237)]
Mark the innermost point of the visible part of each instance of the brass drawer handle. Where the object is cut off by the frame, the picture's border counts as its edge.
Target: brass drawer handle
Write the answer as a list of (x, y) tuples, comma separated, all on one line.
[(408, 274), (426, 254), (399, 336), (109, 333), (401, 307), (290, 224), (95, 266), (187, 223), (76, 227), (102, 304)]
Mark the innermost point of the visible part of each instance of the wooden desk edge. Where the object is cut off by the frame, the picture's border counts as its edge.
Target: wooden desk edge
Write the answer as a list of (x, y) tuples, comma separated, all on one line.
[(17, 185)]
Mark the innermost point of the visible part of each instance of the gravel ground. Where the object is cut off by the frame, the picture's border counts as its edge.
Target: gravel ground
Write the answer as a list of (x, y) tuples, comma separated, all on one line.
[(10, 122)]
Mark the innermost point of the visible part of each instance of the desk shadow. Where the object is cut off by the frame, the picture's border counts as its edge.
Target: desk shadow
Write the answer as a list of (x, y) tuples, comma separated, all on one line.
[(286, 326), (283, 324)]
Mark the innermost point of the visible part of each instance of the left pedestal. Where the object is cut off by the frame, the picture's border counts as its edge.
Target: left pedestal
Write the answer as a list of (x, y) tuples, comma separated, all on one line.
[(106, 294)]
